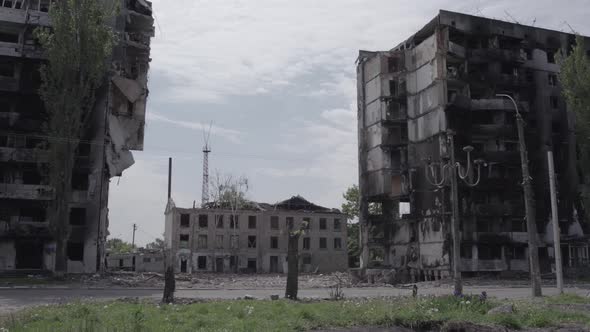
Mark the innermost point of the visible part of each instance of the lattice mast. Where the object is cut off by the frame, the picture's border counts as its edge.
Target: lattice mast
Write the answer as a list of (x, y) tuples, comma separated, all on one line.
[(206, 150)]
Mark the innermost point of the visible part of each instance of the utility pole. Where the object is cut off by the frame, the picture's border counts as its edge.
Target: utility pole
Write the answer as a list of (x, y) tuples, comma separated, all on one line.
[(529, 204), (133, 240), (455, 229), (555, 222)]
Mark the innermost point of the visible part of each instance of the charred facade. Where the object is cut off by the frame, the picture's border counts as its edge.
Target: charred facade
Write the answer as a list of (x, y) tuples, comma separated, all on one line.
[(117, 128), (443, 82)]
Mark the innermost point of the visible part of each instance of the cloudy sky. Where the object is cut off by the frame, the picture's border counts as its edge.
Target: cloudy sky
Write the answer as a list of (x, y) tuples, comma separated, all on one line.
[(277, 80)]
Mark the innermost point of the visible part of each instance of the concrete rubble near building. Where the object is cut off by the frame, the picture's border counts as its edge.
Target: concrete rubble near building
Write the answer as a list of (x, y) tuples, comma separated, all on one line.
[(117, 128), (254, 237), (444, 80)]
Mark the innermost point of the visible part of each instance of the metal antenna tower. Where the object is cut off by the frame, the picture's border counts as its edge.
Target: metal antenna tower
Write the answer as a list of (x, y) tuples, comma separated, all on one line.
[(206, 150)]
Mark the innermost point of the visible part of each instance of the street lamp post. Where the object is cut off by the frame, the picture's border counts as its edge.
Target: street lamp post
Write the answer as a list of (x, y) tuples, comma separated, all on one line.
[(449, 171), (529, 204)]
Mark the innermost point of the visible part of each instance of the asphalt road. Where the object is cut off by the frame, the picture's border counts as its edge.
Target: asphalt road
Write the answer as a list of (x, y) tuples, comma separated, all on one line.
[(13, 299)]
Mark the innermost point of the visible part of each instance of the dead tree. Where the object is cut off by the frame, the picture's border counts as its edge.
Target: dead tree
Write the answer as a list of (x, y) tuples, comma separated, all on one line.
[(293, 259)]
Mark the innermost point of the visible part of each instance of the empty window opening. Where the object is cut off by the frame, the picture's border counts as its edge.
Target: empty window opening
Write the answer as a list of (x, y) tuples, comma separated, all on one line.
[(147, 260), (306, 259), (509, 69), (518, 225), (489, 251), (251, 241), (121, 263), (337, 243), (306, 223), (44, 6), (517, 252), (75, 251), (290, 223), (219, 221), (306, 243), (392, 64), (529, 54), (323, 243), (274, 242), (202, 241), (29, 254), (483, 118), (32, 177), (84, 150), (323, 223), (252, 222), (252, 264), (185, 220), (78, 216), (274, 222), (551, 56), (393, 88), (466, 251), (80, 181), (183, 265), (511, 146), (337, 225), (202, 262), (32, 215), (554, 101), (7, 37), (552, 78), (203, 221), (219, 241), (6, 69), (183, 241), (234, 222)]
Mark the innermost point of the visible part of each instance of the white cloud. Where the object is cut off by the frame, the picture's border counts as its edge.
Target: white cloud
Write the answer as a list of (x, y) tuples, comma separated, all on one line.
[(230, 134), (210, 50)]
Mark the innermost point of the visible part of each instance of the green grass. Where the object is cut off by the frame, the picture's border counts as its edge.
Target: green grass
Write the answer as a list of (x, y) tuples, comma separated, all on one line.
[(285, 315)]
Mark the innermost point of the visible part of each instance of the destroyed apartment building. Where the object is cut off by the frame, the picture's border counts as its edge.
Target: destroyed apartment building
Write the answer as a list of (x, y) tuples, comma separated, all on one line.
[(117, 128), (440, 87), (253, 238)]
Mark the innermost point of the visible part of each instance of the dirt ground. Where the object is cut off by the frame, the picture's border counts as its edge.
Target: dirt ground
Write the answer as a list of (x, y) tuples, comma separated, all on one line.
[(196, 280), (249, 281)]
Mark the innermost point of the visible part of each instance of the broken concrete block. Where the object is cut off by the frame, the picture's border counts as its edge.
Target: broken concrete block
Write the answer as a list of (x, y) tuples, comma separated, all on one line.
[(503, 309), (249, 297)]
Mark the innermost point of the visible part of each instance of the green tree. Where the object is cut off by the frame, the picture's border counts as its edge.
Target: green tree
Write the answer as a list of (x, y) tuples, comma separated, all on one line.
[(77, 47), (157, 244), (350, 208), (575, 80), (118, 246)]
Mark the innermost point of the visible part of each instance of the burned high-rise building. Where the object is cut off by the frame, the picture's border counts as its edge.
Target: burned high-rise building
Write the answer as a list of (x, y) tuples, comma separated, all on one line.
[(441, 85), (116, 128)]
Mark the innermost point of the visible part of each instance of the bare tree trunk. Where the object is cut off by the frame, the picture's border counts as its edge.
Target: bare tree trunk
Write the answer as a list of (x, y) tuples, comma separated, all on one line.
[(61, 180), (293, 264), (169, 281)]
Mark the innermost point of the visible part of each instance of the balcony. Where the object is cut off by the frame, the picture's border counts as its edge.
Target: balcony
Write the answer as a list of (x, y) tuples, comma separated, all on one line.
[(23, 155), (26, 191), (456, 50), (485, 55), (24, 229), (37, 14)]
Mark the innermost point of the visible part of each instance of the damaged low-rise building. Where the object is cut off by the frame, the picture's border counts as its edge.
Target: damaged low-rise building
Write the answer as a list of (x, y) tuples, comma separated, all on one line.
[(253, 238), (441, 85), (117, 128)]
